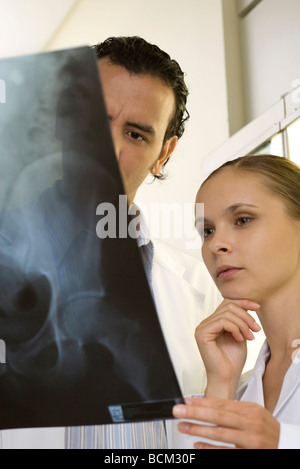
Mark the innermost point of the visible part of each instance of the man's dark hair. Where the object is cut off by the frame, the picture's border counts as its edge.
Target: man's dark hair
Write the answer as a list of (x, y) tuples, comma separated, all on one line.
[(141, 58)]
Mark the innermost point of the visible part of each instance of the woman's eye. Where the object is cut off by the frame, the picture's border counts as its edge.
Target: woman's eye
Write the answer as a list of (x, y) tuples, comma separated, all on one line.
[(207, 232), (242, 221)]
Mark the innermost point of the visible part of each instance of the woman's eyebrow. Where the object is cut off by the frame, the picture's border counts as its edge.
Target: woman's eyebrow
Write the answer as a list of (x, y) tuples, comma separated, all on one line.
[(239, 205), (230, 209)]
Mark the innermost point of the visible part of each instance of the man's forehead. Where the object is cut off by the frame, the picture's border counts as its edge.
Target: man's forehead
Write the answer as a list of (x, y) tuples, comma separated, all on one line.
[(141, 100)]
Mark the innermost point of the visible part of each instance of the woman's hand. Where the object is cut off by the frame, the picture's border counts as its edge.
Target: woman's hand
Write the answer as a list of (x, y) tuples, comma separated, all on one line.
[(221, 339), (241, 424)]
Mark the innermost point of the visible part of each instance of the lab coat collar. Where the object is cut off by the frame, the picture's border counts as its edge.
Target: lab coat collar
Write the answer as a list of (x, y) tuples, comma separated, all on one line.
[(252, 389), (182, 265), (144, 237), (290, 383), (177, 262)]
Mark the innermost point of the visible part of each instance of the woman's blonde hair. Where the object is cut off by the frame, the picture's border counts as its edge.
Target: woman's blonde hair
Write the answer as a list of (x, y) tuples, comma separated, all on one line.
[(281, 175)]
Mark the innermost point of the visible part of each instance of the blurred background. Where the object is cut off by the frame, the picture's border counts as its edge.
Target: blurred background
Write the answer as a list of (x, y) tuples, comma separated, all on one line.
[(242, 65)]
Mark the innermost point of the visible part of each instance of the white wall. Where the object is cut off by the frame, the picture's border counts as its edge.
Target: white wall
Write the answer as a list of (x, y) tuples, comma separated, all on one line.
[(270, 39), (192, 33), (26, 26)]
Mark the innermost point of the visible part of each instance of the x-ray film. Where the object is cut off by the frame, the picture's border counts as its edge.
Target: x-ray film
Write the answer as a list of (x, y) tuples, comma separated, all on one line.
[(81, 342)]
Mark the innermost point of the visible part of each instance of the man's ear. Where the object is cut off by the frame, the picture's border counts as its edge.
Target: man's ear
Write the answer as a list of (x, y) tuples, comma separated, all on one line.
[(166, 152)]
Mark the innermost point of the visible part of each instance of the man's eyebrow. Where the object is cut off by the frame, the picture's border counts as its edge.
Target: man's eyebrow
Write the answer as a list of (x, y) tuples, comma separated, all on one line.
[(143, 127), (138, 125)]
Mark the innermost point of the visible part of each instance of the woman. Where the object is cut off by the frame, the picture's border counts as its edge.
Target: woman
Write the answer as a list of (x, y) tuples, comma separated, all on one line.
[(251, 247)]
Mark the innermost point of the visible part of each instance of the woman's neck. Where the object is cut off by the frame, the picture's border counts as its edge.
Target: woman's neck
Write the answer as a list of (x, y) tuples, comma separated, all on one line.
[(280, 319)]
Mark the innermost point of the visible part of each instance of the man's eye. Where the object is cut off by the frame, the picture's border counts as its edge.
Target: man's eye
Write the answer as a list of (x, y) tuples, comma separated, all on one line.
[(135, 136)]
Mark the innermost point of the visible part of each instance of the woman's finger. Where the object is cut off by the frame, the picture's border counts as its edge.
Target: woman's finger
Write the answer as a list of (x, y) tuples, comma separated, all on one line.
[(236, 308)]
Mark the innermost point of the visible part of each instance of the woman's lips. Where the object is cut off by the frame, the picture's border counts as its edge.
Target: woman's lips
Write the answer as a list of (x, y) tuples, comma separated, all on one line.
[(228, 272)]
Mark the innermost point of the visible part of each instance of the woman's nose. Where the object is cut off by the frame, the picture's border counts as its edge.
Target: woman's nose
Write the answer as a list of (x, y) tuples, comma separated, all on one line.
[(220, 243)]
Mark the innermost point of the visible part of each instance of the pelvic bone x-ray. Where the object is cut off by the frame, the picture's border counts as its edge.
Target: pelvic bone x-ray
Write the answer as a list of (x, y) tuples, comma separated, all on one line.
[(80, 337)]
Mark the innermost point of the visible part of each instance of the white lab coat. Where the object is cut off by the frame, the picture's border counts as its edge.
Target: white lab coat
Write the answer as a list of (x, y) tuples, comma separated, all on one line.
[(287, 410), (184, 295), (182, 291)]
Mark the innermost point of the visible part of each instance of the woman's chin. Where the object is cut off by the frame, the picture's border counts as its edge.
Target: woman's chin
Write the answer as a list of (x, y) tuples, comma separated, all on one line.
[(238, 294)]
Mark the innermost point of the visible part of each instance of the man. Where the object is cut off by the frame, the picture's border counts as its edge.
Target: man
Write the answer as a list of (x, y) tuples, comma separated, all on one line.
[(146, 96)]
